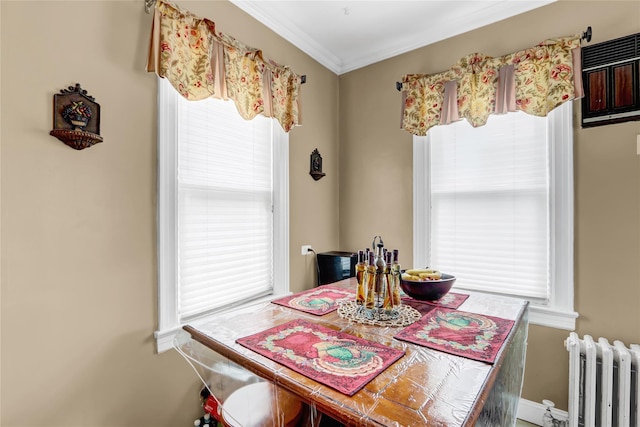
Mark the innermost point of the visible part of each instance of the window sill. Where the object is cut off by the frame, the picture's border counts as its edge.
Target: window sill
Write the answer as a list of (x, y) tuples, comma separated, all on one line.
[(552, 317), (164, 338), (541, 315)]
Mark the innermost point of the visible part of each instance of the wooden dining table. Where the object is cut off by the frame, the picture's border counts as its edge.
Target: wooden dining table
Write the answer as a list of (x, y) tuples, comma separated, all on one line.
[(424, 387)]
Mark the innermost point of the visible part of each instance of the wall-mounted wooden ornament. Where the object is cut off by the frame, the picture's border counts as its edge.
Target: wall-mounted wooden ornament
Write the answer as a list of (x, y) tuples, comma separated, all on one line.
[(76, 118), (316, 165)]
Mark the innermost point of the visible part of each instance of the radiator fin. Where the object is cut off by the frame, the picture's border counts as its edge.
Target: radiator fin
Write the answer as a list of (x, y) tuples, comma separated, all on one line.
[(604, 384)]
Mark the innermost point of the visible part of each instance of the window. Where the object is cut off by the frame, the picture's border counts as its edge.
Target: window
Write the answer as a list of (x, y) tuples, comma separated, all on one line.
[(222, 209), (494, 206)]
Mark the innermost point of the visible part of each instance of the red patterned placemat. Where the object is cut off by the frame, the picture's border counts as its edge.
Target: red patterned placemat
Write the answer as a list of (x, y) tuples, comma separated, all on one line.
[(338, 360), (470, 335), (450, 300), (318, 301)]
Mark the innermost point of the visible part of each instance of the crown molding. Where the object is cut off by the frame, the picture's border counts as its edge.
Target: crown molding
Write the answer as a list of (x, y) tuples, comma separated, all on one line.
[(292, 34), (494, 11)]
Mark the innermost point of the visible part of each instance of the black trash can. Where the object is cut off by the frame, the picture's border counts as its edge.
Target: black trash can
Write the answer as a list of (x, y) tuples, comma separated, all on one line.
[(335, 266)]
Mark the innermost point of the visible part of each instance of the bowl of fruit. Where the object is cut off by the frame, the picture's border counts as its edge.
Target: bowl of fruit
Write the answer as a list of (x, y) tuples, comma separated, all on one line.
[(426, 284)]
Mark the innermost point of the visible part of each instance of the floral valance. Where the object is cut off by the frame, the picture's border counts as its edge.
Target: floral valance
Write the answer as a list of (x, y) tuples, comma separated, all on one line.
[(534, 80), (201, 62)]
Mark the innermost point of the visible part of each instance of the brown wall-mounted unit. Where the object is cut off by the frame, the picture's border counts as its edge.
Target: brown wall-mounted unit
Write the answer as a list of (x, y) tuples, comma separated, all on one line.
[(611, 81)]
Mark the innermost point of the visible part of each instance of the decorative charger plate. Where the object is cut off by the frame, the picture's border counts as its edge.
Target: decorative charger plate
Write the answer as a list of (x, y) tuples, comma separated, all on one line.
[(405, 315)]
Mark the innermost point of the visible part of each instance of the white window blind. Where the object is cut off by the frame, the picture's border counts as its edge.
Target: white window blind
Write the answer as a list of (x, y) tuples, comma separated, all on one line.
[(490, 204), (225, 206), (494, 206), (223, 210)]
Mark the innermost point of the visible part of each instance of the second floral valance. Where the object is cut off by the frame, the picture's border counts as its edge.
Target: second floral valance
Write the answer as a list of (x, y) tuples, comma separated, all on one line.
[(534, 80), (201, 62)]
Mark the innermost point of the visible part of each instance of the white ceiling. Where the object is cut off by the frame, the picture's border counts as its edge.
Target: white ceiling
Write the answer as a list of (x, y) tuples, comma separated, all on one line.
[(347, 35)]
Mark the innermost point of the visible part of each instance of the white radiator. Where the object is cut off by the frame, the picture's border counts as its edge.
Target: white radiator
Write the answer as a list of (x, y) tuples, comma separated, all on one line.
[(604, 385)]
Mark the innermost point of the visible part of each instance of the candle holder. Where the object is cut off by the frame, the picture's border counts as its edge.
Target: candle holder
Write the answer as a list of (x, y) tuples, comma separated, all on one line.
[(378, 299)]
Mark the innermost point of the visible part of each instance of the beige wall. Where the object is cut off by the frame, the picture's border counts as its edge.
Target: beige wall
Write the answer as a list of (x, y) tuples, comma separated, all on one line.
[(78, 227), (78, 281), (376, 178)]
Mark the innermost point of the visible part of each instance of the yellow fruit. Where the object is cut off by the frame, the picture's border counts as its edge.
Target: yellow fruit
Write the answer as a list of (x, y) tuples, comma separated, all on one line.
[(436, 275), (422, 274), (419, 271)]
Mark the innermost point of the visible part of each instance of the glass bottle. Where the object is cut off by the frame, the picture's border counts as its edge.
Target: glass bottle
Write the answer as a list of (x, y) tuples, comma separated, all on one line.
[(395, 274), (370, 282), (360, 269), (388, 294), (381, 280)]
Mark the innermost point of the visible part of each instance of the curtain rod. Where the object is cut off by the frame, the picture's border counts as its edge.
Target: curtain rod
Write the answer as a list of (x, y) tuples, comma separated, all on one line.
[(149, 4), (585, 36)]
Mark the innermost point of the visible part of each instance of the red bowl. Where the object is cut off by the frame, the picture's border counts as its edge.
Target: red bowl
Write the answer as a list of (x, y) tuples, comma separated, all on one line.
[(427, 290)]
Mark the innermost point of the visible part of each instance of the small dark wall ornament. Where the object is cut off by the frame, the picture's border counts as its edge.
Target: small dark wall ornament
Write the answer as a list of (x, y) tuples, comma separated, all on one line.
[(316, 165), (76, 118)]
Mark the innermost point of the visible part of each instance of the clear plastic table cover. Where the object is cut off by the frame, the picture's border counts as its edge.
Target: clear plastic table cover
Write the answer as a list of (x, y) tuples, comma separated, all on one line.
[(222, 378), (424, 387)]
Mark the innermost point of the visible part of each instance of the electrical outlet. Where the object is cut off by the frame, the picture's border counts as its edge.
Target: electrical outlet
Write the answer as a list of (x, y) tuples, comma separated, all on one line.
[(305, 249)]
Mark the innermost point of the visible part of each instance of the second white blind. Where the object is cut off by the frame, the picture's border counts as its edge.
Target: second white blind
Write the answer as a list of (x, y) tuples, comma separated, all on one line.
[(490, 204)]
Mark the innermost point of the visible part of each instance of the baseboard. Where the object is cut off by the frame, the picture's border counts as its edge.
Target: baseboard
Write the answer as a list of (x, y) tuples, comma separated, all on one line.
[(532, 412)]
